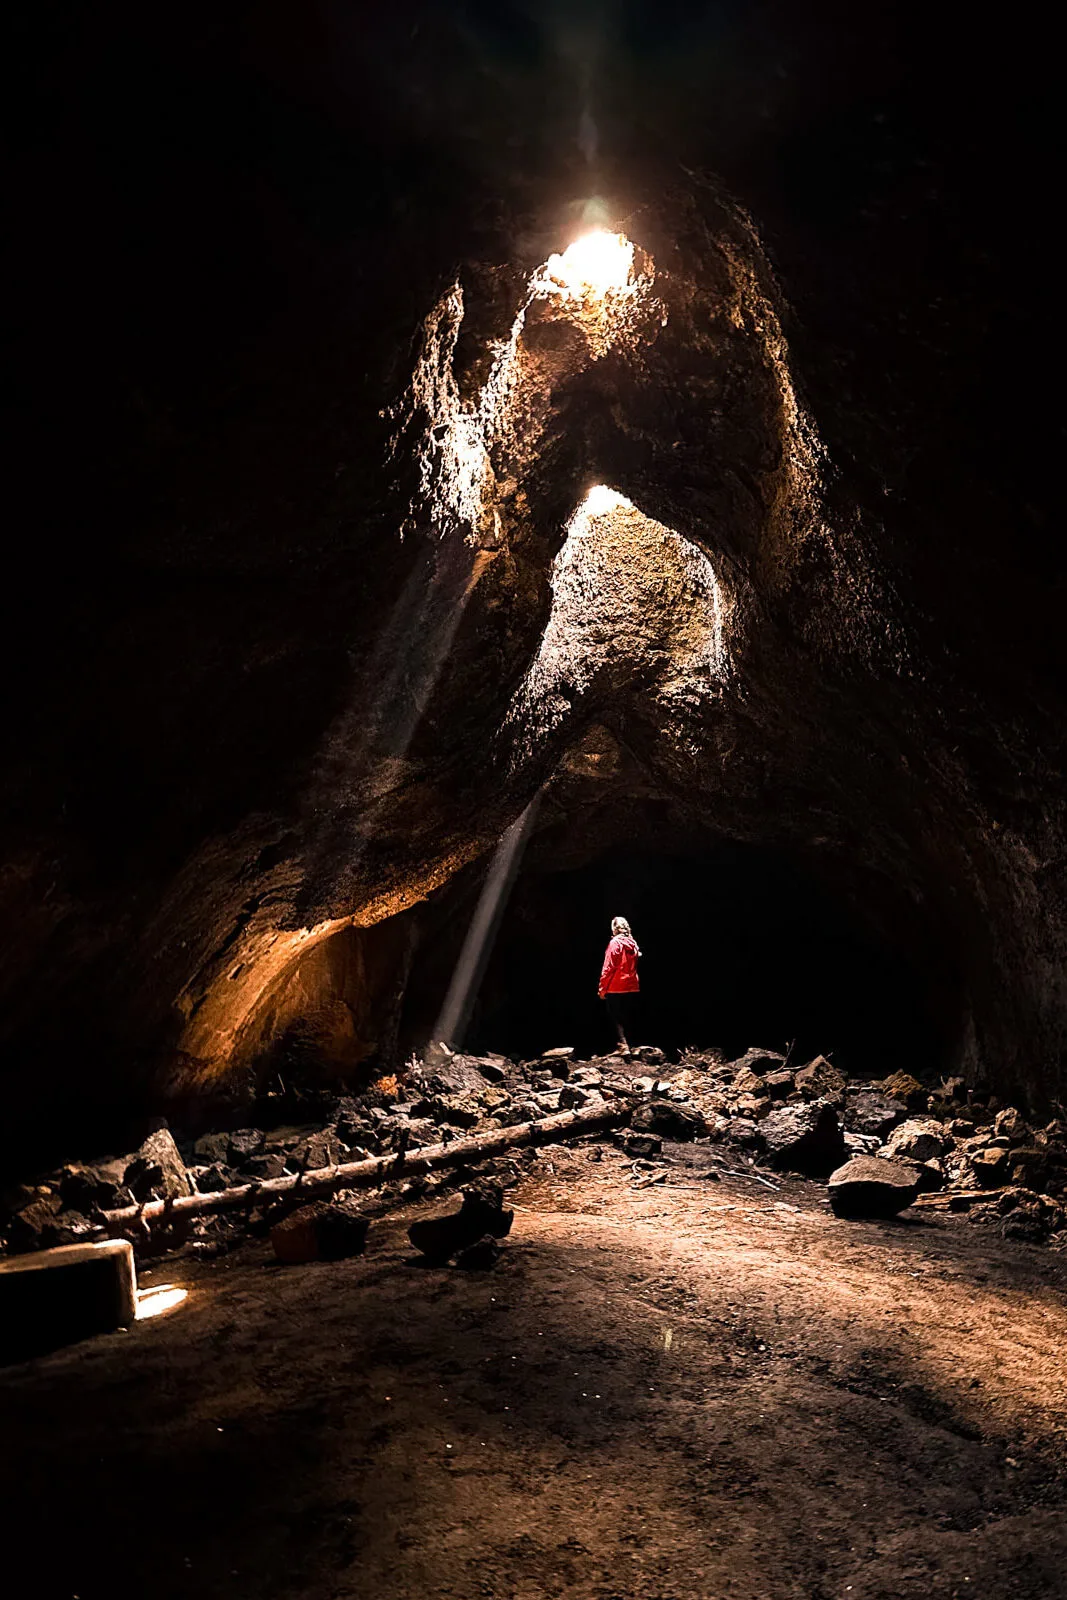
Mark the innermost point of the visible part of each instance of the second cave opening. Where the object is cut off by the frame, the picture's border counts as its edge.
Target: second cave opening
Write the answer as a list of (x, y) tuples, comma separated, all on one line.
[(741, 946)]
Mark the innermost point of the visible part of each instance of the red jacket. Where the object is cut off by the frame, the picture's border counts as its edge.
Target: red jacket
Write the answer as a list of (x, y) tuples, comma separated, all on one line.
[(619, 972)]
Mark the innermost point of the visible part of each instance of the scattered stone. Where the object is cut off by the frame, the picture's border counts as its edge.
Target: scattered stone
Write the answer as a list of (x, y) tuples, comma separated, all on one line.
[(902, 1086), (213, 1179), (572, 1097), (97, 1187), (482, 1213), (862, 1144), (779, 1085), (648, 1055), (456, 1111), (563, 1052), (918, 1139), (491, 1069), (668, 1120), (758, 1061), (641, 1145), (479, 1257), (322, 1231), (212, 1149), (819, 1080), (867, 1111), (1011, 1125), (243, 1143), (321, 1149), (990, 1165), (269, 1164), (744, 1132), (872, 1186), (805, 1138), (158, 1155)]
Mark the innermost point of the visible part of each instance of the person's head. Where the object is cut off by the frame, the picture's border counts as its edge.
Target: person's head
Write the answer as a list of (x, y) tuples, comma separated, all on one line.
[(620, 925)]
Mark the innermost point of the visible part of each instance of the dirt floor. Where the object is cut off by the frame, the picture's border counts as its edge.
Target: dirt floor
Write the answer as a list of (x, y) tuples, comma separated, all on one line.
[(695, 1388)]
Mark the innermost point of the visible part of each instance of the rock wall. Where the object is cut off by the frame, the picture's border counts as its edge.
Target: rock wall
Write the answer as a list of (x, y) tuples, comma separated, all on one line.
[(303, 442)]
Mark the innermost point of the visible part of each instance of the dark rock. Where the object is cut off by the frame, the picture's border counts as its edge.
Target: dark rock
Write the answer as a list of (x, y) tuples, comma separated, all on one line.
[(872, 1186), (158, 1153), (572, 1097), (821, 1080), (906, 1088), (456, 1111), (779, 1085), (758, 1061), (94, 1187), (268, 1164), (1011, 1125), (213, 1179), (322, 1231), (321, 1149), (668, 1120), (479, 1257), (491, 1069), (649, 1055), (482, 1213), (805, 1138), (212, 1149), (744, 1132), (243, 1143), (641, 1145), (917, 1139), (35, 1227), (1029, 1166), (867, 1111), (990, 1165)]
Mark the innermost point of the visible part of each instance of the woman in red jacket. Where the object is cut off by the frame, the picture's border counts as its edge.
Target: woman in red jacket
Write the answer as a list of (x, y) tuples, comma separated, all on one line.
[(618, 978)]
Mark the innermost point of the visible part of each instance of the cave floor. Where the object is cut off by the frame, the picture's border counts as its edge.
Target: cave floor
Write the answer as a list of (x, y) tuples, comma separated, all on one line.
[(689, 1389)]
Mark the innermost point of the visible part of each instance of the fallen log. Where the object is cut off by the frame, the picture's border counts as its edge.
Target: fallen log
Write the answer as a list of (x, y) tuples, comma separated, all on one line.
[(374, 1169)]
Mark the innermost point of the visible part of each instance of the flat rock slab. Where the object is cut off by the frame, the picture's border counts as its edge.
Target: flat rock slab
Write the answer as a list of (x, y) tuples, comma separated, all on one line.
[(56, 1297), (872, 1186)]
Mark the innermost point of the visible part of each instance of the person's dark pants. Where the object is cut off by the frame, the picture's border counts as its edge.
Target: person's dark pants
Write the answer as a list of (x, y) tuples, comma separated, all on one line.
[(621, 1009)]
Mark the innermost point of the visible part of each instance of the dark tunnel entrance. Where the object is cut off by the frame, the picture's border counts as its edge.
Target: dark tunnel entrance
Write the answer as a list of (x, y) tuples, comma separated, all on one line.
[(740, 945)]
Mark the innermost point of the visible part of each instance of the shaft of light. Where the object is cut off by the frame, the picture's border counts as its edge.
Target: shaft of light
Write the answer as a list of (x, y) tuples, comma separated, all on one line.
[(467, 977)]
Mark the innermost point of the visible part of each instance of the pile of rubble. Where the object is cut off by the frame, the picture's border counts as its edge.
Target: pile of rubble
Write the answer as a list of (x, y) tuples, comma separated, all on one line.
[(879, 1145)]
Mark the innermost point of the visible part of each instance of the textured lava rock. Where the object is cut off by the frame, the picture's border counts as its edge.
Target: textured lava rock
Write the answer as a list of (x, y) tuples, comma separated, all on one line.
[(871, 1186), (820, 1080), (867, 1111), (917, 1139), (668, 1120), (804, 1138)]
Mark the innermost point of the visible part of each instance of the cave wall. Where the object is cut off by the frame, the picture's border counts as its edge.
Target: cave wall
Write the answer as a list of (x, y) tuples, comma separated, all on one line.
[(248, 714)]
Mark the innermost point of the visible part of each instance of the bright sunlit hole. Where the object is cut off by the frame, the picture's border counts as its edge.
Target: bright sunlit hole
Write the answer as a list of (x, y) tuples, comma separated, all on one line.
[(601, 499), (154, 1302), (595, 264)]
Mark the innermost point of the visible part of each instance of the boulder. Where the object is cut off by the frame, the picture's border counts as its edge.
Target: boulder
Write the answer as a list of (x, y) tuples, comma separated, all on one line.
[(158, 1169), (744, 1132), (820, 1080), (243, 1142), (872, 1186), (990, 1165), (668, 1120), (480, 1215), (805, 1138), (212, 1149), (322, 1231), (322, 1149), (867, 1111), (758, 1061), (917, 1139), (641, 1145), (1011, 1125), (902, 1086)]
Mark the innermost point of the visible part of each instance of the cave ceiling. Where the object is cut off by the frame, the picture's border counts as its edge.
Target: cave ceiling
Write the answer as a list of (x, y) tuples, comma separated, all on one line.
[(347, 528)]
